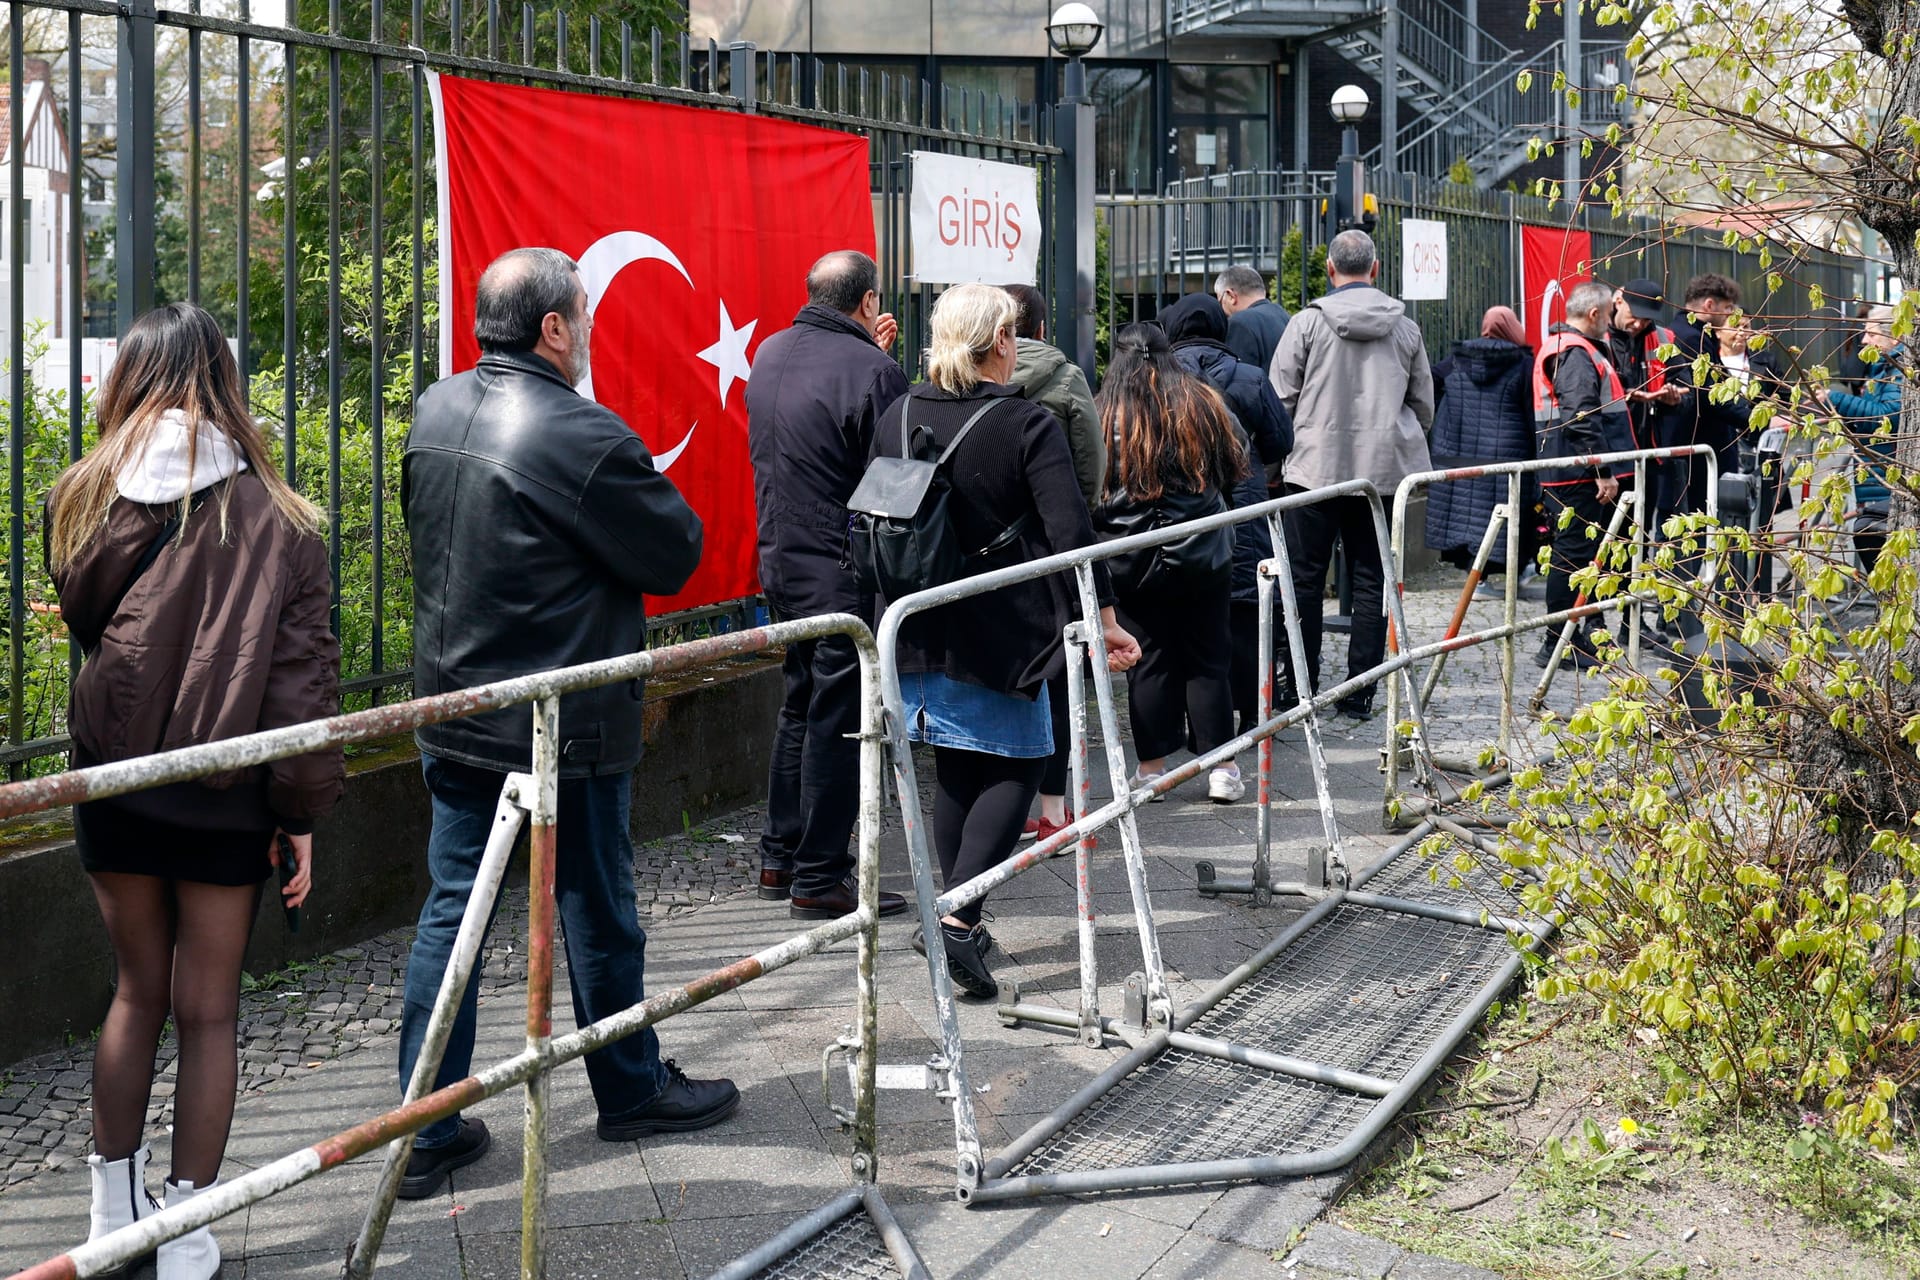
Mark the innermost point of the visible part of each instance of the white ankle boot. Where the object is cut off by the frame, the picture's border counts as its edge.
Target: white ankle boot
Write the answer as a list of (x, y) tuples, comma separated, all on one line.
[(193, 1256), (120, 1196)]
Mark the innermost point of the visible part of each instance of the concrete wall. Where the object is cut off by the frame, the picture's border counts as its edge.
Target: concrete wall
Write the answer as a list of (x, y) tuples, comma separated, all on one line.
[(707, 737)]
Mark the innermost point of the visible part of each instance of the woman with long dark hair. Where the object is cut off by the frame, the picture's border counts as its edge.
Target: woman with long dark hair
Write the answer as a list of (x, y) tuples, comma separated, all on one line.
[(1174, 453), (195, 580)]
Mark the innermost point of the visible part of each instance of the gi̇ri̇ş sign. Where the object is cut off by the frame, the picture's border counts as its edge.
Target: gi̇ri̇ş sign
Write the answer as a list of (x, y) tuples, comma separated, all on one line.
[(974, 221)]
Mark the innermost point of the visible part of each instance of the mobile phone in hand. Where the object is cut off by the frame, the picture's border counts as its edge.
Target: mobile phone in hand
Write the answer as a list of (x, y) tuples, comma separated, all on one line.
[(288, 870)]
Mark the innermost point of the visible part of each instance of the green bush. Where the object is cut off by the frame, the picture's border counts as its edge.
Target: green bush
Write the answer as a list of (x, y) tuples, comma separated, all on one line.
[(1738, 893)]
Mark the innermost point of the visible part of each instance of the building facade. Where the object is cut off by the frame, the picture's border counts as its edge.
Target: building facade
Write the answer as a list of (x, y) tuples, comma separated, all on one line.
[(1190, 89)]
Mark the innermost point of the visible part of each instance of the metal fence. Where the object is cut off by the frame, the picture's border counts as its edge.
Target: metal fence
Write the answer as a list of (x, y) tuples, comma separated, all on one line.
[(1163, 244), (280, 174), (527, 798)]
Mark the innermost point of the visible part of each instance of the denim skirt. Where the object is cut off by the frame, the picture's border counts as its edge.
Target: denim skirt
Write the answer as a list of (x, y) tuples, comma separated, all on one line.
[(943, 712)]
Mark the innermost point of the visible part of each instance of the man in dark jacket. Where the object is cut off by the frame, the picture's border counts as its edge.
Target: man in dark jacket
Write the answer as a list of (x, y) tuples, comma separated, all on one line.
[(1580, 406), (1255, 323), (538, 526), (815, 398), (1196, 325), (1657, 399)]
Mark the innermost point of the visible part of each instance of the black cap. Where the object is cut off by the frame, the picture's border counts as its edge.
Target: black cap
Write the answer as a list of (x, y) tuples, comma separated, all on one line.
[(1646, 299)]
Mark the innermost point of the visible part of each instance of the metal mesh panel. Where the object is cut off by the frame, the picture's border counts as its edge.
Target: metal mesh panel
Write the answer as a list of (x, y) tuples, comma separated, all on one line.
[(848, 1250), (1364, 989), (1430, 872), (1184, 1107)]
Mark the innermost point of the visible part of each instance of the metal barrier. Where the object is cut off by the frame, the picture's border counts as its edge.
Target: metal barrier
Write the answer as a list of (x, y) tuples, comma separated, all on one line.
[(1506, 518), (1268, 1060), (531, 795)]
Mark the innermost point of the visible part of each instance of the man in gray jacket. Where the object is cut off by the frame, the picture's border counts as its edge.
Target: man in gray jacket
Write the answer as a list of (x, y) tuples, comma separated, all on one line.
[(1352, 370)]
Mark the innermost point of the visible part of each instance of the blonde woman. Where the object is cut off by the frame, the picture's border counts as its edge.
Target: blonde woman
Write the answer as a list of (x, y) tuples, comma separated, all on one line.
[(974, 673), (195, 580)]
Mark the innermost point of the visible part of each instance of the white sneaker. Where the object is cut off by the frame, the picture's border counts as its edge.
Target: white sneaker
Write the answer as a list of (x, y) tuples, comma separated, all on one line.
[(1139, 780), (1224, 784)]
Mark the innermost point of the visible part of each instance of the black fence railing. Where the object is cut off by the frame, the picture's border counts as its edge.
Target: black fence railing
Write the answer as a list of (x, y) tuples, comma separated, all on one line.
[(1157, 246), (281, 175)]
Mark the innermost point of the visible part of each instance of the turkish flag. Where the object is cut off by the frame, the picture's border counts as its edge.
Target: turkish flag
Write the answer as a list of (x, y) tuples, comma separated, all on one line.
[(694, 229), (1552, 261)]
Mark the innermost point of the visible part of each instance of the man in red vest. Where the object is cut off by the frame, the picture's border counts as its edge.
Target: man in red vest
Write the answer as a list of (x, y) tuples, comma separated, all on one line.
[(1580, 409)]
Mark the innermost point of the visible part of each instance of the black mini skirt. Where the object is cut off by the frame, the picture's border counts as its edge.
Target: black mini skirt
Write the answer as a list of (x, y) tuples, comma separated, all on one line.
[(114, 839)]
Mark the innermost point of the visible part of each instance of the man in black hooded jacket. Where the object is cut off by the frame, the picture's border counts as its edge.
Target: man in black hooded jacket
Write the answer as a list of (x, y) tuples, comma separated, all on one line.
[(1196, 325)]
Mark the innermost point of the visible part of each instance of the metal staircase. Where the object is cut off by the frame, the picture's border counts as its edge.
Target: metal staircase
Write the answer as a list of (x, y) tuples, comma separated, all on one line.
[(1458, 88)]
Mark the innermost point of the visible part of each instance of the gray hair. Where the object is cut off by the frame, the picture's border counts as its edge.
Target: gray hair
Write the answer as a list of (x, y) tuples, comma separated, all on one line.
[(842, 280), (1588, 295), (518, 291), (1351, 254), (1243, 280), (961, 332)]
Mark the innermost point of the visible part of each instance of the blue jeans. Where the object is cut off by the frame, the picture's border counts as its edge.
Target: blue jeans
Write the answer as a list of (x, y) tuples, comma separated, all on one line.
[(593, 891)]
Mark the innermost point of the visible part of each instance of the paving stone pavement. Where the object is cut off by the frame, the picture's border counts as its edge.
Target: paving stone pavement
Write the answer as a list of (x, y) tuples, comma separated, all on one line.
[(318, 1046)]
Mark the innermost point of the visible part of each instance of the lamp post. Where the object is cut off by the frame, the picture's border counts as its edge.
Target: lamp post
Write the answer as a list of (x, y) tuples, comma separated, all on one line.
[(1073, 32), (1348, 207)]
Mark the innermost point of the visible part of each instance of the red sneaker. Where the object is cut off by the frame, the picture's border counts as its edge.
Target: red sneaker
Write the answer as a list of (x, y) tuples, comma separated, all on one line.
[(1039, 828)]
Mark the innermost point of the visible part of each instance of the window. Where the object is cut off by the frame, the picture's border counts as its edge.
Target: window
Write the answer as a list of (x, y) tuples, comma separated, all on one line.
[(862, 27), (99, 84), (1220, 118), (96, 189), (990, 28), (1009, 87), (26, 240), (96, 130), (1122, 127)]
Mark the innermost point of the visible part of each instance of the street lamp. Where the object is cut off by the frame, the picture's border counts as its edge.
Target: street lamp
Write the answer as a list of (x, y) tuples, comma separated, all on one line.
[(1074, 31), (1348, 207)]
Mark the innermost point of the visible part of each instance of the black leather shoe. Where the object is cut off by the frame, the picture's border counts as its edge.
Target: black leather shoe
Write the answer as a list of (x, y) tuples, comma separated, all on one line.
[(980, 932), (967, 963), (841, 900), (427, 1169), (1358, 707), (775, 886), (683, 1106)]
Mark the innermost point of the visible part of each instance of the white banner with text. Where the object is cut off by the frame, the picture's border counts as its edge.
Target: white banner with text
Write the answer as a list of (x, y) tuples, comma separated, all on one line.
[(974, 221)]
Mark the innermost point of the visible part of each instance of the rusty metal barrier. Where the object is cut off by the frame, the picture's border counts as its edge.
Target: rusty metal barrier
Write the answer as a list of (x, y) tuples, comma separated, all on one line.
[(1154, 1025), (524, 796), (1418, 748)]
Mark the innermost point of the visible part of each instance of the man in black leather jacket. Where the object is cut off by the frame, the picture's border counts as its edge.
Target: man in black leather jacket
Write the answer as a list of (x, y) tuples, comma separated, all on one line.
[(817, 394), (538, 523)]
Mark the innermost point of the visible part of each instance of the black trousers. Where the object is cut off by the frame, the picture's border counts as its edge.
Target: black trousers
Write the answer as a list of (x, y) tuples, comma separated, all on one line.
[(1185, 649), (1311, 532), (813, 797), (1573, 548), (980, 803)]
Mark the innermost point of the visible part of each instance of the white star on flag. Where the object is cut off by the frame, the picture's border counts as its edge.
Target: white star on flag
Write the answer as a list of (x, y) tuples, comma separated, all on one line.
[(729, 354)]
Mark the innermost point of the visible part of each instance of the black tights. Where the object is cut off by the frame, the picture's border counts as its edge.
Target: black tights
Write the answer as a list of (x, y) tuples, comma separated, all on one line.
[(980, 803), (177, 949)]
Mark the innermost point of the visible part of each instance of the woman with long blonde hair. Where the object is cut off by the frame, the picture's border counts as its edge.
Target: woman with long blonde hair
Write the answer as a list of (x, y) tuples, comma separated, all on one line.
[(974, 673), (195, 580)]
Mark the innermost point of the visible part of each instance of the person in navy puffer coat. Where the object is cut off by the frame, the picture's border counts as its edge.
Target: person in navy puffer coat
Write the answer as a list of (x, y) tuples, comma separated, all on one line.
[(1485, 415)]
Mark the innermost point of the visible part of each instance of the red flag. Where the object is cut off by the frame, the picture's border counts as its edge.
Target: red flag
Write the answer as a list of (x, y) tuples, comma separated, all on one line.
[(1552, 262), (694, 230)]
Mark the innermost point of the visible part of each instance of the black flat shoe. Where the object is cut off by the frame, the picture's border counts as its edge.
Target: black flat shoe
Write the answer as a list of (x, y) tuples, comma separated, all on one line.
[(967, 963), (427, 1169), (682, 1107)]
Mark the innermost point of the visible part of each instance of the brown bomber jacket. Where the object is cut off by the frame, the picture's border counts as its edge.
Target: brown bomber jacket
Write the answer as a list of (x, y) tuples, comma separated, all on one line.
[(218, 638)]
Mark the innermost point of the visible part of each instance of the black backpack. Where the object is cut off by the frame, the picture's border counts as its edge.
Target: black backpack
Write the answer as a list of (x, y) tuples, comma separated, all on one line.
[(900, 537)]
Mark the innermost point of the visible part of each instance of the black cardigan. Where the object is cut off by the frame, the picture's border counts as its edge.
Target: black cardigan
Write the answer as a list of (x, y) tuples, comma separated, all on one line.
[(1014, 462)]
